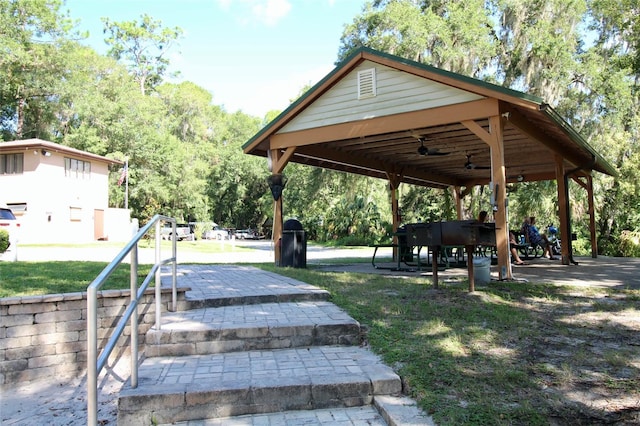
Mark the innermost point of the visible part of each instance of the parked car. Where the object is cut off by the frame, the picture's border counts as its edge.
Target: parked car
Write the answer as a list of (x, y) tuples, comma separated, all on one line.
[(217, 233), (9, 223), (183, 232), (247, 234)]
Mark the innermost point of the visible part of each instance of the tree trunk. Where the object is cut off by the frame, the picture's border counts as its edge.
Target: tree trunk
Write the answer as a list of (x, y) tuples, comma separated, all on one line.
[(20, 122)]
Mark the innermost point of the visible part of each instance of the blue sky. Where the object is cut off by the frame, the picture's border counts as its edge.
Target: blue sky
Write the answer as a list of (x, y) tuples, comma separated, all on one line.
[(252, 55)]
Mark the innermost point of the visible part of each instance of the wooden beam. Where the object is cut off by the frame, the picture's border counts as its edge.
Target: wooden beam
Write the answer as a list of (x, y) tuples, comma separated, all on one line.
[(474, 110), (335, 156), (479, 131), (526, 127), (282, 162)]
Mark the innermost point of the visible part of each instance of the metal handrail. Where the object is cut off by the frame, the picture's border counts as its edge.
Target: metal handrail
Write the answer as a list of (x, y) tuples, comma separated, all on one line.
[(95, 361)]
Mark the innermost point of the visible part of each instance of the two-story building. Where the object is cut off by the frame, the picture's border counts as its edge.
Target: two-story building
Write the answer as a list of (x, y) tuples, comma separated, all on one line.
[(59, 194)]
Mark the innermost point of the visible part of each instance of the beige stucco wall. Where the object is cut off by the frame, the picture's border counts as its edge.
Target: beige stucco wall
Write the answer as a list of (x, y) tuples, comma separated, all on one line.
[(59, 208)]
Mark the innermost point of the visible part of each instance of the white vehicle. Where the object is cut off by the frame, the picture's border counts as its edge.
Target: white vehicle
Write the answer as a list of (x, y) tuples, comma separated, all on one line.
[(183, 232), (247, 234), (216, 233), (9, 223)]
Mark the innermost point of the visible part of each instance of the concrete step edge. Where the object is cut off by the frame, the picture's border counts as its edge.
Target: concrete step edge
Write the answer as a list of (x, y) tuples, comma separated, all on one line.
[(186, 342), (353, 379), (364, 415), (401, 411), (250, 299), (252, 327)]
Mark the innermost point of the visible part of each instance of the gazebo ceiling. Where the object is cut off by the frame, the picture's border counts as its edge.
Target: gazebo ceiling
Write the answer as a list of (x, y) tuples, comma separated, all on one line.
[(382, 137)]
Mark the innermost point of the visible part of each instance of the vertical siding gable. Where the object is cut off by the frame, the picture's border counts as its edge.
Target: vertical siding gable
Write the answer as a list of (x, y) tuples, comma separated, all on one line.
[(397, 92)]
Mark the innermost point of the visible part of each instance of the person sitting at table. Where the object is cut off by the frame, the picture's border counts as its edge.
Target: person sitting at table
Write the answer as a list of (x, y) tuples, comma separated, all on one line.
[(533, 237), (482, 216), (514, 251)]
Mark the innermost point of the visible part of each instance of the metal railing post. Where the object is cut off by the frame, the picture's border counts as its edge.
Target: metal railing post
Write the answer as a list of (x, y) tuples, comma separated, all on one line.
[(158, 282), (92, 357), (97, 360), (134, 318), (174, 273)]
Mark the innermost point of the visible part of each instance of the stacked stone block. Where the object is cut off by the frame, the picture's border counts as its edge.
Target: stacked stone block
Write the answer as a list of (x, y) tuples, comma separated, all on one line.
[(46, 336)]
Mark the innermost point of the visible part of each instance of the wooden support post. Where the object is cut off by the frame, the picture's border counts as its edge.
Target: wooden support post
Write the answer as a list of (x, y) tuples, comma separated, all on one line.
[(277, 162), (563, 206), (434, 264), (394, 183), (470, 272), (494, 138), (588, 186), (592, 218), (277, 230), (457, 197)]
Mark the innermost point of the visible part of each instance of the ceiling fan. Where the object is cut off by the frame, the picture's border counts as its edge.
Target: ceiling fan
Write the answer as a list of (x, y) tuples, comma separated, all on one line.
[(423, 150), (469, 165)]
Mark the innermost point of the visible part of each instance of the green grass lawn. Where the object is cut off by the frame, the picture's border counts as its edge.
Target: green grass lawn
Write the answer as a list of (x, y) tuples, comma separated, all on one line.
[(201, 246), (507, 354), (38, 278)]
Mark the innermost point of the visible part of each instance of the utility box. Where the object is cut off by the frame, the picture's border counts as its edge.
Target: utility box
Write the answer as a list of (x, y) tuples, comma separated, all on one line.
[(293, 251)]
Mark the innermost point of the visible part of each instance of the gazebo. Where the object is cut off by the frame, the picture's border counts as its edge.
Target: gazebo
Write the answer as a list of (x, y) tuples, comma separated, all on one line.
[(388, 117)]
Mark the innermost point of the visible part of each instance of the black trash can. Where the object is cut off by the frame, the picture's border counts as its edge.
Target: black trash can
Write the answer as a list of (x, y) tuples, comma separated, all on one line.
[(293, 251), (405, 250)]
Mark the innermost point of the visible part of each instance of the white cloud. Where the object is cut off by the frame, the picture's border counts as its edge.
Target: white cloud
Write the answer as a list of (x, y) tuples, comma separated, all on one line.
[(271, 11), (267, 12)]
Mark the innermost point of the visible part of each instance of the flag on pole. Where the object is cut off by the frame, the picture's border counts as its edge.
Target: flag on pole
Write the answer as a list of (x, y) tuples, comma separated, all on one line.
[(123, 175)]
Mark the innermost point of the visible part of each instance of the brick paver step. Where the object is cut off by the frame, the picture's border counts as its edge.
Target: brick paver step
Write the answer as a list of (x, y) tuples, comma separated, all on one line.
[(386, 410), (250, 327), (174, 389), (356, 416), (220, 285)]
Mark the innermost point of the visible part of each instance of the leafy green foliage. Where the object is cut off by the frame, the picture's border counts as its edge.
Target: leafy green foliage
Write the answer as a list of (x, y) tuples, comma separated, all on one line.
[(143, 46), (4, 240), (35, 43)]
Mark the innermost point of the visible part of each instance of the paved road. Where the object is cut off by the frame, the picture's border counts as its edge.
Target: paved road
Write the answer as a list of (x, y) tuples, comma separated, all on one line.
[(234, 252), (612, 272)]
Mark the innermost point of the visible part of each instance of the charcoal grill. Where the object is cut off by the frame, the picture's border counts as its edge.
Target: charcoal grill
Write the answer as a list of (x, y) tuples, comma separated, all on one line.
[(467, 233)]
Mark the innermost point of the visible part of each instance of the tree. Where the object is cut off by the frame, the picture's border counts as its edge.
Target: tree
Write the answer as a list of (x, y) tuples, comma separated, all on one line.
[(35, 41), (448, 34), (143, 46), (539, 41)]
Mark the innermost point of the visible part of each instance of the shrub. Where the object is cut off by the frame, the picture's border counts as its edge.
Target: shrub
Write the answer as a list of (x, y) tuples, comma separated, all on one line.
[(4, 240), (630, 244)]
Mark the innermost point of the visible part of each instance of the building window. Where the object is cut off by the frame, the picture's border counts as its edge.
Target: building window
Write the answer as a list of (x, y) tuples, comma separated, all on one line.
[(75, 214), (77, 168), (18, 209), (11, 164)]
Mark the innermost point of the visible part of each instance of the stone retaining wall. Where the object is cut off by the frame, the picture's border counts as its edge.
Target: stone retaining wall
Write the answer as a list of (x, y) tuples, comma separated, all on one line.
[(46, 336)]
